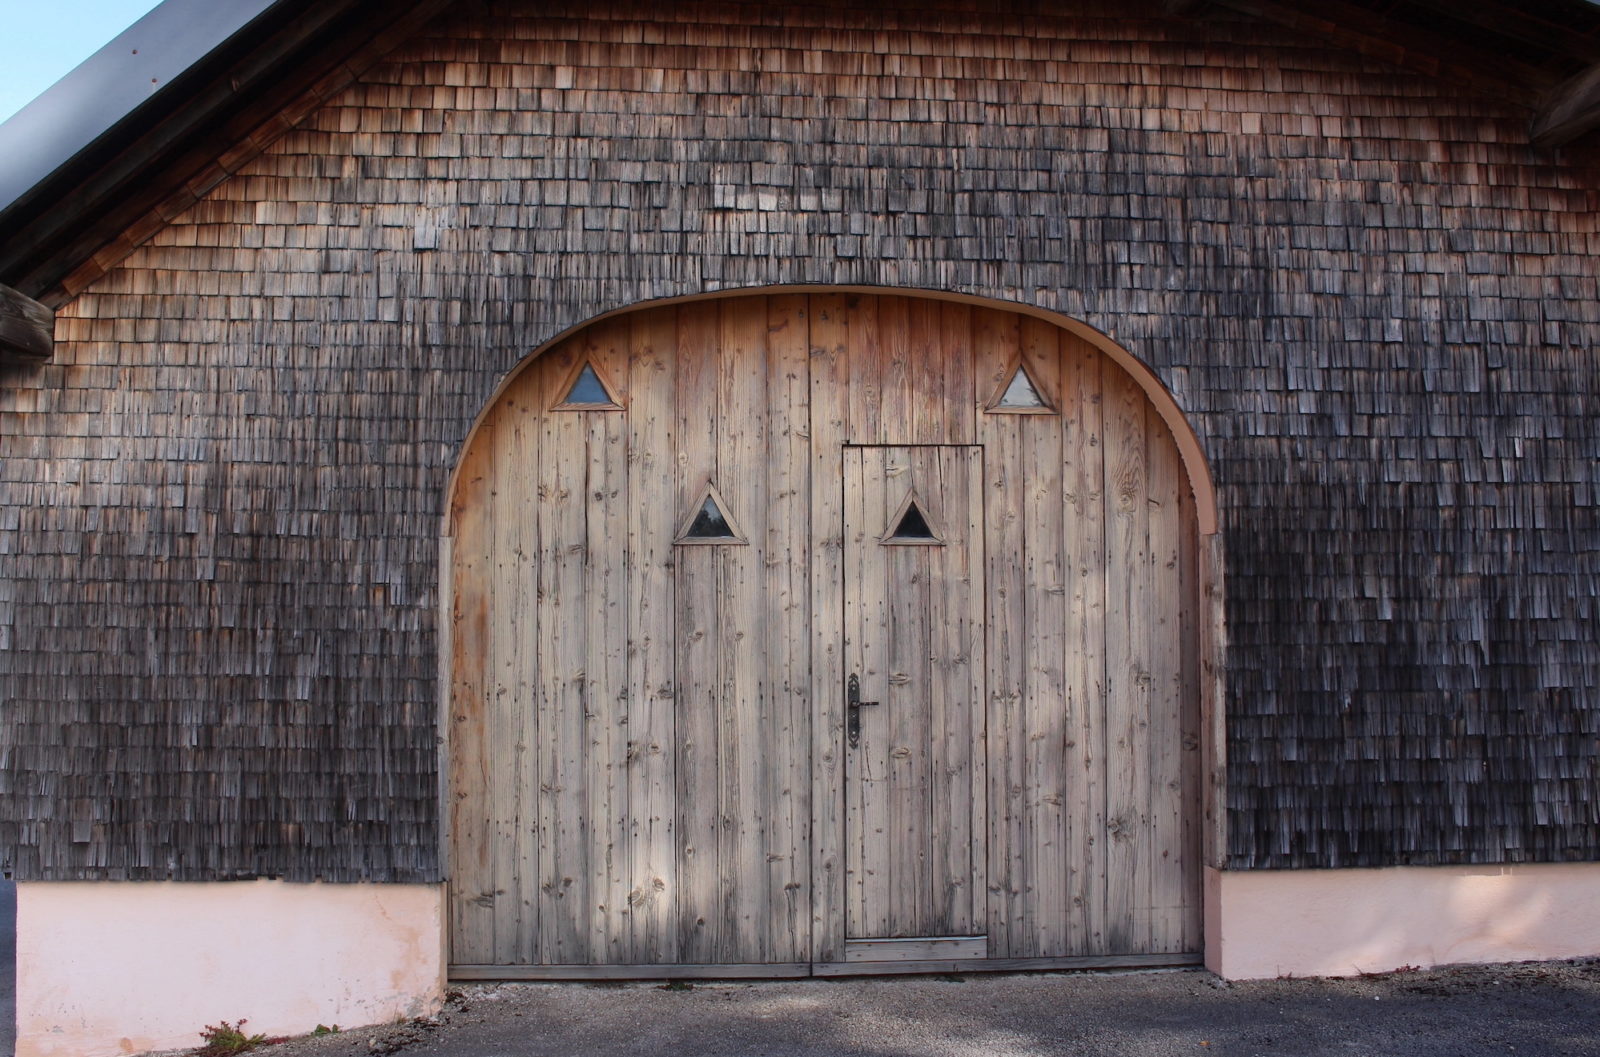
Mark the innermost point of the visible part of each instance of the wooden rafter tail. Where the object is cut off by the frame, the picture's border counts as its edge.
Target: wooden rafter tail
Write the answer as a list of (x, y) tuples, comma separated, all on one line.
[(27, 328), (1572, 110)]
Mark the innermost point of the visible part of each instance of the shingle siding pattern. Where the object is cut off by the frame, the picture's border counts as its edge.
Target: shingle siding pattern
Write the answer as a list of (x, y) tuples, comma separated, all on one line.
[(1377, 305)]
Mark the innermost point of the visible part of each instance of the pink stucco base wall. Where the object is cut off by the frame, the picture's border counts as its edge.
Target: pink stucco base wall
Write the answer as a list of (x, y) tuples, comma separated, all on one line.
[(119, 968), (1271, 923)]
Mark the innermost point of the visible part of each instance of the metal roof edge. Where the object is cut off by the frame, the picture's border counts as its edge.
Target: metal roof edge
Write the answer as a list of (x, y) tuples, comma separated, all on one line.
[(136, 71)]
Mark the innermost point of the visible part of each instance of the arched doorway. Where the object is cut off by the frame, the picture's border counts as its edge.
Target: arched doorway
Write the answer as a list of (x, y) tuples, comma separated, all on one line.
[(800, 633)]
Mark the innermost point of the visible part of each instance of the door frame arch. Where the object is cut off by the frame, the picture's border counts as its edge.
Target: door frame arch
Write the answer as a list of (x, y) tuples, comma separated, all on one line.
[(1195, 464)]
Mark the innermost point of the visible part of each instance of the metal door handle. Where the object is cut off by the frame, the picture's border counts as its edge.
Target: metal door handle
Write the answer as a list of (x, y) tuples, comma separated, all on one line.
[(853, 707)]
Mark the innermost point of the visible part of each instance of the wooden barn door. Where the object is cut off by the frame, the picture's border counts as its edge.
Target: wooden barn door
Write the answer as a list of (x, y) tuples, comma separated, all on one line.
[(913, 631), (978, 515)]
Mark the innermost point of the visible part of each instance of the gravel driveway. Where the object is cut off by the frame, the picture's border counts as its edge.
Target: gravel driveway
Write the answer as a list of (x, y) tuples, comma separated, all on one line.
[(1529, 1009)]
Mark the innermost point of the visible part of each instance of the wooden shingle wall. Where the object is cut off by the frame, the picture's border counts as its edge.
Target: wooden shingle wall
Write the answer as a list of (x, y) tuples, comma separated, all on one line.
[(219, 505)]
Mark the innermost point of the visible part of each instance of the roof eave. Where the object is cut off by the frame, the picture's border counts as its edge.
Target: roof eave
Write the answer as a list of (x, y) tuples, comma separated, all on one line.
[(174, 137)]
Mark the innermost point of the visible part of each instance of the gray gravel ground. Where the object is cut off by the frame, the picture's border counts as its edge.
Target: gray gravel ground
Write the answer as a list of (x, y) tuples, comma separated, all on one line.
[(1525, 1010)]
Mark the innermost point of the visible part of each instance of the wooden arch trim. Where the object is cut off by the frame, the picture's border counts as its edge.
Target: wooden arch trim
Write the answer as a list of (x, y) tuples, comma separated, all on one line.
[(1190, 448)]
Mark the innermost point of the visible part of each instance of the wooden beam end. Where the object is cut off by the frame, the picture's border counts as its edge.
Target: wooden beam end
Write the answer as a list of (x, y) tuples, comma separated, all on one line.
[(27, 328), (1570, 111)]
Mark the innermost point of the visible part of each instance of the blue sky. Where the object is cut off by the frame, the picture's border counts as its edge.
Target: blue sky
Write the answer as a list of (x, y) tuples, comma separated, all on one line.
[(42, 42)]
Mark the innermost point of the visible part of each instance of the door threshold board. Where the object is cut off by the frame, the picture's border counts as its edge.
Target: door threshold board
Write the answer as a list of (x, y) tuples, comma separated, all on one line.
[(1008, 965), (797, 970), (916, 949), (780, 971)]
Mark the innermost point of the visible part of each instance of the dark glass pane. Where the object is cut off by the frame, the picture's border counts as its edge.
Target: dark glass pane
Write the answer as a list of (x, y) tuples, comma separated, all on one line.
[(913, 526), (1021, 393), (588, 389), (709, 523)]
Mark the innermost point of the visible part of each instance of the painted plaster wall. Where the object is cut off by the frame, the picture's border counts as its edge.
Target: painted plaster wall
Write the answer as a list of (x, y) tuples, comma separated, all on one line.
[(120, 968), (1270, 923)]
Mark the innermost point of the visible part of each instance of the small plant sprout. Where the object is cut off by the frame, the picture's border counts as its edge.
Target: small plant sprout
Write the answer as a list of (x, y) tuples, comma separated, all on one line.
[(226, 1040)]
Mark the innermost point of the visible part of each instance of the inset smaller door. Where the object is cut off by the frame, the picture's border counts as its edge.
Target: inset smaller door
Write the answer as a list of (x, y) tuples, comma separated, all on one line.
[(913, 744)]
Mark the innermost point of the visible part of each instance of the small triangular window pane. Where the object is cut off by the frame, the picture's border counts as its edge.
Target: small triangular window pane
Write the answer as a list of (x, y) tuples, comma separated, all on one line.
[(709, 523), (588, 389), (913, 526), (1020, 394)]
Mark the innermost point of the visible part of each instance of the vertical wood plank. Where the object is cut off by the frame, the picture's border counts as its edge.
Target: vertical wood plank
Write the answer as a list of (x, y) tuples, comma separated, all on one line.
[(471, 866), (525, 617), (951, 357), (934, 417), (865, 421), (516, 450), (698, 655), (508, 594), (866, 640), (899, 397), (898, 588), (653, 516), (829, 424), (446, 717), (1213, 682), (1128, 604), (563, 688), (605, 612), (1044, 713), (788, 590), (747, 743), (1083, 490), (853, 471), (955, 605), (1168, 898), (995, 340), (1191, 738)]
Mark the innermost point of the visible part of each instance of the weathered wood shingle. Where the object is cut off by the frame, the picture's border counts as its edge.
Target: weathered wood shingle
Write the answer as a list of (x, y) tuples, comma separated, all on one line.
[(1377, 303)]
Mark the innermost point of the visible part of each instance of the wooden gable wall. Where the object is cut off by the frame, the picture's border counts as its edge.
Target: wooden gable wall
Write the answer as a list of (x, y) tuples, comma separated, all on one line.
[(1377, 303)]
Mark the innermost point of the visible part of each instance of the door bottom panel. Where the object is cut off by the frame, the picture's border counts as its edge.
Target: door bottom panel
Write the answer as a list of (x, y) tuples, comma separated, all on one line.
[(779, 971), (794, 970), (920, 949), (1009, 965)]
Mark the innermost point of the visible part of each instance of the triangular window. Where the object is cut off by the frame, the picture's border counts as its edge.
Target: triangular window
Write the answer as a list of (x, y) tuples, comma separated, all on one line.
[(1020, 394), (586, 389), (911, 525), (709, 520)]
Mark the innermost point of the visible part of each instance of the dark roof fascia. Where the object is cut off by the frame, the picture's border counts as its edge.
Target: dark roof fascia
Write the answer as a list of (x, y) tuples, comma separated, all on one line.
[(140, 64), (96, 193)]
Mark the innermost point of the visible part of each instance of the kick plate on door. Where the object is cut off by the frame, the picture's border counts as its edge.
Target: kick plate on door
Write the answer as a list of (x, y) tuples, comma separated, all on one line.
[(920, 949)]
